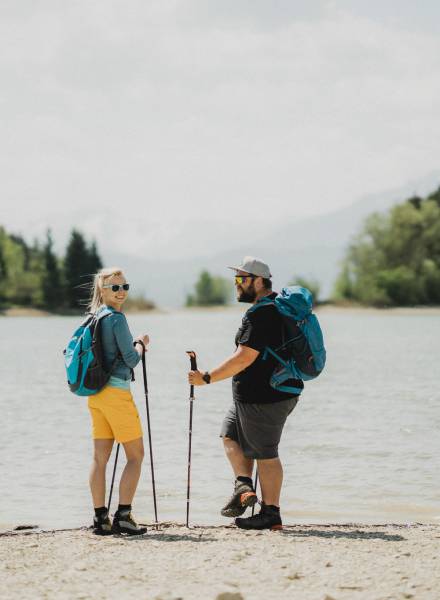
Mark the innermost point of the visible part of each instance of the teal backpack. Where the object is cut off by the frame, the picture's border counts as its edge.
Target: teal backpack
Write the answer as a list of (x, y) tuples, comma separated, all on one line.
[(83, 357), (302, 355)]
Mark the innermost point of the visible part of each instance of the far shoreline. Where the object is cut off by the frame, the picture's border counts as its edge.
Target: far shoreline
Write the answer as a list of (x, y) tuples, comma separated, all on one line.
[(392, 310), (21, 311), (324, 308)]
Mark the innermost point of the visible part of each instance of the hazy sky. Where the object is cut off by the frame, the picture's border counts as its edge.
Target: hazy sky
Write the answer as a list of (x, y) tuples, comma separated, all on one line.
[(130, 118)]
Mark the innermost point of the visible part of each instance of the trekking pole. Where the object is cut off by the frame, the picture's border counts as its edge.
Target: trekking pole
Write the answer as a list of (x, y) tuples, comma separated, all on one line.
[(255, 487), (193, 359), (144, 370), (113, 478)]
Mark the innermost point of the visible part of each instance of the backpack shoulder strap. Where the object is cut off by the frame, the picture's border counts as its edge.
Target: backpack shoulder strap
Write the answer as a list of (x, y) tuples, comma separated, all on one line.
[(263, 302), (102, 314)]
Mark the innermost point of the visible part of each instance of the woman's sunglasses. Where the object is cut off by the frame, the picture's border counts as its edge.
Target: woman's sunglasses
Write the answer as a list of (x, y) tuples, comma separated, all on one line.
[(239, 279), (116, 287)]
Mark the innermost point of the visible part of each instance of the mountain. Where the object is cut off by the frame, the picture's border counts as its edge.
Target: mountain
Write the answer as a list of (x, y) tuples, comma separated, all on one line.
[(312, 247)]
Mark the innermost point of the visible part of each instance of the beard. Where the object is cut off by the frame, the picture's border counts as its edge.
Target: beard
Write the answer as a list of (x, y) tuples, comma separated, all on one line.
[(247, 296)]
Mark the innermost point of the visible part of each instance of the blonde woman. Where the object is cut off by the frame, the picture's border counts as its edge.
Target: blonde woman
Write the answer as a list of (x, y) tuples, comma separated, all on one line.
[(114, 413)]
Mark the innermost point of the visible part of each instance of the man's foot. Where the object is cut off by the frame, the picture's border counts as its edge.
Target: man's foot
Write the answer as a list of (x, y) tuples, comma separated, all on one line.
[(123, 523), (102, 525), (268, 518), (242, 497)]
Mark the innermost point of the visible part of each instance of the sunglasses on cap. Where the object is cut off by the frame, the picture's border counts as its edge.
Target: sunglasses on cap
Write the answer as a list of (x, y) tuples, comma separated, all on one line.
[(115, 287), (239, 279)]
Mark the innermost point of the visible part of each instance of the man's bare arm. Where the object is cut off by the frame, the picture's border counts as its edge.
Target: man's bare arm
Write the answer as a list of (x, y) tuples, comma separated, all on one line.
[(242, 358)]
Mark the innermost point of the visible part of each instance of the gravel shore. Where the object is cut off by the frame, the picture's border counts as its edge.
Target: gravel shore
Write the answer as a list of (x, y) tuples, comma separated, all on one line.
[(304, 562)]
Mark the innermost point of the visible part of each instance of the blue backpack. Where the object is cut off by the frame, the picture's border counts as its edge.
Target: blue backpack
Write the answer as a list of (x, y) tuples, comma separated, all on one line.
[(83, 357), (302, 354)]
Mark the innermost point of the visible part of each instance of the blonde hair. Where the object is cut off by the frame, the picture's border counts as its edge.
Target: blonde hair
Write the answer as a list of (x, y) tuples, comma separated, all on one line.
[(98, 281)]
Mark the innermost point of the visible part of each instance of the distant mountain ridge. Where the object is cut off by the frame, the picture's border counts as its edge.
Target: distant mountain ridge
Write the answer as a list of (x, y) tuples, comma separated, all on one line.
[(312, 247)]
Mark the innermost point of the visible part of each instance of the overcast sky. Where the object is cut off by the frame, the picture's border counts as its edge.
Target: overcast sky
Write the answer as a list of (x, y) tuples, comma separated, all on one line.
[(130, 118)]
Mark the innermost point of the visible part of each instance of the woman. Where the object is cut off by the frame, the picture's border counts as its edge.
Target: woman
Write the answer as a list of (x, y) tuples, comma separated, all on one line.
[(114, 413)]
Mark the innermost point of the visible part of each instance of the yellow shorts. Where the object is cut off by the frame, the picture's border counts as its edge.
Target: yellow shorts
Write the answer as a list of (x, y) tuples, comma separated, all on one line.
[(114, 415)]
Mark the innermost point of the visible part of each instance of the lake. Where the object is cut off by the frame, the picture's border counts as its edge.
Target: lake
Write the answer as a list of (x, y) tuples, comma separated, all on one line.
[(362, 445)]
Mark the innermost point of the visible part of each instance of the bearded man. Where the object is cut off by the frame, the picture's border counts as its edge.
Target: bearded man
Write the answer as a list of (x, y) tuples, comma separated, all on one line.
[(253, 426)]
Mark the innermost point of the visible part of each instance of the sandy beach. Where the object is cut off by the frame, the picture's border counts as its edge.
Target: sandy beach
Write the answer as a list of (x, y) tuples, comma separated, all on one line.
[(304, 562)]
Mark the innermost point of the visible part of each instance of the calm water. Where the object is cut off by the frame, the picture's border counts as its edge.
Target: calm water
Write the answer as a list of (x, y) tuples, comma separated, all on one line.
[(362, 445)]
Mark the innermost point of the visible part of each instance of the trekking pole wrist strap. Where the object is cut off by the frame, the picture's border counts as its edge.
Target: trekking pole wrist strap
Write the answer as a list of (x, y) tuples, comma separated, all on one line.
[(206, 377)]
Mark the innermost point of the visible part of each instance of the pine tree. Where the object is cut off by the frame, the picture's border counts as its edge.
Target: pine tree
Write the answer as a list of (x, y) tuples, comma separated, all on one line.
[(76, 270), (52, 287), (95, 263)]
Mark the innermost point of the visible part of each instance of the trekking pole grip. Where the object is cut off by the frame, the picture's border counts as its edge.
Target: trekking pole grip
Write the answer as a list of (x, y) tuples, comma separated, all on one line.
[(193, 359)]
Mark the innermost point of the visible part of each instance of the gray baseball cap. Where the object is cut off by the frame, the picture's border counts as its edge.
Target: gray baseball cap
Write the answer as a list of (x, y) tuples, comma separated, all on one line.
[(254, 266)]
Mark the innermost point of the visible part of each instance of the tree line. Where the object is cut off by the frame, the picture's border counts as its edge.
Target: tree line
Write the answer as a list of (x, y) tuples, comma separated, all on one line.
[(395, 259), (33, 276)]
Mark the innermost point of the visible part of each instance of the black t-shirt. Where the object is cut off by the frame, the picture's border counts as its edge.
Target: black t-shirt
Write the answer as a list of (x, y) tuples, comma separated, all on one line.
[(260, 328)]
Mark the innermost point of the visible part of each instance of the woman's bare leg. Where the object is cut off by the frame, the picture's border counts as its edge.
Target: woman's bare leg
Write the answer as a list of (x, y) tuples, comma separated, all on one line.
[(101, 454), (134, 452)]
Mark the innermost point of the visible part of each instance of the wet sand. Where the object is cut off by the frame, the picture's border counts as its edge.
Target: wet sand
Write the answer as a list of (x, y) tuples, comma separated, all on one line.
[(304, 562)]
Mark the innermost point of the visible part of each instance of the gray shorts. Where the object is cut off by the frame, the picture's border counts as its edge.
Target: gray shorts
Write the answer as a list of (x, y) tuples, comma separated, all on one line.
[(257, 428)]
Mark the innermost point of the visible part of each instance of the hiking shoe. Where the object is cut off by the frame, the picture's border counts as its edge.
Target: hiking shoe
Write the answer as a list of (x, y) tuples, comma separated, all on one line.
[(267, 518), (242, 497), (125, 524), (102, 525)]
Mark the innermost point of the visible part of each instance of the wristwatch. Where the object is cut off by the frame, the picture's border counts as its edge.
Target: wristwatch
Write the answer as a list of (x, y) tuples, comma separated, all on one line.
[(206, 377)]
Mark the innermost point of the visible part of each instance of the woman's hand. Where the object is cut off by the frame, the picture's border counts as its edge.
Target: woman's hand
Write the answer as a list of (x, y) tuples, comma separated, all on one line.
[(196, 378), (145, 339)]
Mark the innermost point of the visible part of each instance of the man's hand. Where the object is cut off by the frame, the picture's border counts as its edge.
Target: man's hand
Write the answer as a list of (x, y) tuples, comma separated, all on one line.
[(242, 358), (196, 378)]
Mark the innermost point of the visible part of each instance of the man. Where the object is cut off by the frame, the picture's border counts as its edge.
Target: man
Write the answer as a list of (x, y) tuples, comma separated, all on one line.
[(253, 425)]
